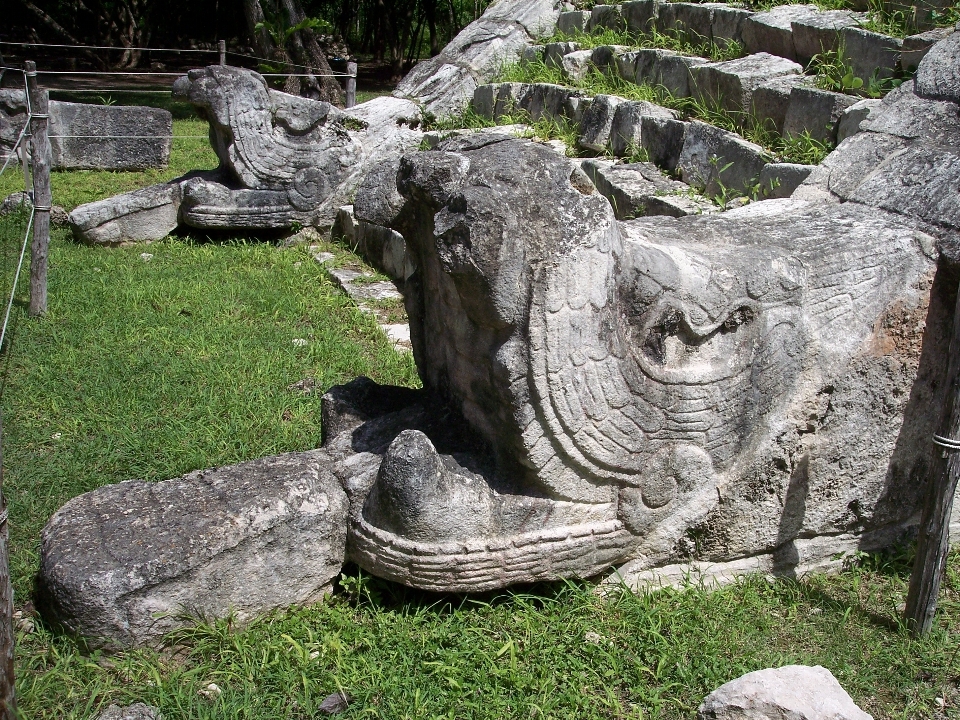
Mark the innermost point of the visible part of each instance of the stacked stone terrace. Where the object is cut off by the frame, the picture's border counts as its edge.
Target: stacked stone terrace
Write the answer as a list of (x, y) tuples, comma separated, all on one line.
[(769, 83)]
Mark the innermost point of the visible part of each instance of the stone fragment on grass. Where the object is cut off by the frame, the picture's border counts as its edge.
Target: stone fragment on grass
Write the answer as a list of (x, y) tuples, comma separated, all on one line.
[(871, 55), (497, 99), (662, 140), (730, 84), (150, 213), (553, 53), (532, 54), (626, 130), (779, 180), (575, 21), (639, 15), (576, 65), (821, 32), (816, 112), (127, 563), (137, 711), (853, 116), (605, 57), (643, 66), (597, 122), (691, 21), (938, 75), (798, 692), (606, 17), (545, 100), (15, 201), (771, 31), (915, 47), (719, 162)]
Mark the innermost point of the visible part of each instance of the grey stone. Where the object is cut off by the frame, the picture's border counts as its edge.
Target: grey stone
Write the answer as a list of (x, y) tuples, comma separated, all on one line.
[(24, 200), (872, 55), (532, 54), (691, 21), (576, 65), (114, 137), (821, 32), (643, 66), (938, 75), (770, 100), (122, 564), (727, 25), (575, 21), (444, 84), (626, 130), (137, 711), (674, 73), (718, 161), (915, 47), (680, 204), (597, 122), (631, 187), (606, 17), (640, 15), (359, 286), (150, 213), (779, 180), (551, 101), (771, 31), (853, 116), (662, 139), (499, 99), (799, 692), (730, 85), (816, 112), (13, 118), (553, 53), (607, 56)]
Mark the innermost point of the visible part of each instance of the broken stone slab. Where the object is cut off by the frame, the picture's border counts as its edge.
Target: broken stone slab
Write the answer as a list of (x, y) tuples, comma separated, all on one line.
[(532, 54), (871, 55), (771, 31), (137, 711), (630, 187), (553, 53), (605, 57), (915, 47), (498, 99), (770, 100), (799, 692), (816, 112), (444, 84), (643, 66), (606, 17), (779, 180), (853, 116), (361, 287), (730, 84), (662, 140), (938, 75), (626, 130), (821, 32), (727, 24), (125, 564), (541, 100), (674, 73), (598, 121), (577, 65), (574, 21), (108, 137), (718, 161), (680, 203), (640, 15)]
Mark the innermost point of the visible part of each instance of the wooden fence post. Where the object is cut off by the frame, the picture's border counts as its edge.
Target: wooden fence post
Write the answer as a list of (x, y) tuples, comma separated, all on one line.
[(8, 698), (222, 44), (351, 84), (933, 541), (39, 107)]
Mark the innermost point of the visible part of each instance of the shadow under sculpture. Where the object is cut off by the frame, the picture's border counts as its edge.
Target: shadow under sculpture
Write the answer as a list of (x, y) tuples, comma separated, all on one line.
[(648, 390)]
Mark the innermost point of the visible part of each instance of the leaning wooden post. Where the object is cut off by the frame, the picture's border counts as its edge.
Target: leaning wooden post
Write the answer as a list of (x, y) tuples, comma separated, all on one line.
[(933, 542), (8, 698), (39, 105), (351, 84), (222, 44)]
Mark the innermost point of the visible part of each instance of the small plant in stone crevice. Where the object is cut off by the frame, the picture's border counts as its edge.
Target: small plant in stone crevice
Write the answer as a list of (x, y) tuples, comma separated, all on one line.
[(636, 154), (803, 149)]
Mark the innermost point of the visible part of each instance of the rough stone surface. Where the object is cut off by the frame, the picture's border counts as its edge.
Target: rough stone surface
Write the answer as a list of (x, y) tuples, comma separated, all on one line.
[(576, 65), (871, 54), (727, 24), (597, 122), (606, 17), (771, 31), (553, 53), (573, 22), (770, 100), (821, 32), (137, 711), (662, 139), (119, 565), (674, 73), (915, 47), (13, 117), (444, 84), (24, 200), (853, 116), (633, 189), (626, 131), (730, 84), (639, 15), (108, 137), (798, 692), (938, 75), (150, 213), (779, 180), (717, 160), (817, 112), (691, 21)]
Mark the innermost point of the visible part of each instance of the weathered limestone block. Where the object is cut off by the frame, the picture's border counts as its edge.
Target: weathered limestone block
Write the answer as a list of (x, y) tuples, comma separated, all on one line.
[(770, 100), (444, 84), (626, 130), (597, 122), (630, 188), (575, 21), (821, 32), (120, 565), (691, 21), (606, 57), (640, 15), (853, 116), (730, 84), (606, 17), (553, 53), (799, 692), (915, 47), (150, 213), (727, 25), (551, 101), (779, 180), (771, 31), (680, 203), (674, 73), (643, 66), (662, 139), (532, 54), (576, 65), (938, 75), (498, 99), (13, 118), (871, 54), (719, 161), (817, 112), (114, 137)]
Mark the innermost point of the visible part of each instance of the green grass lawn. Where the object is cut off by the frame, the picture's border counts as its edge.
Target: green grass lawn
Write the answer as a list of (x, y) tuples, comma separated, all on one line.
[(148, 366)]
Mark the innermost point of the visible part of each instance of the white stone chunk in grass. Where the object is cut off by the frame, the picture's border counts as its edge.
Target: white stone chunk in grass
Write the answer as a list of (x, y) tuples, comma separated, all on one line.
[(575, 21)]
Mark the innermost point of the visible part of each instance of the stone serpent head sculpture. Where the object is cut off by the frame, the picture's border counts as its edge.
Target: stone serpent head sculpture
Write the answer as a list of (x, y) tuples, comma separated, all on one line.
[(628, 377)]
